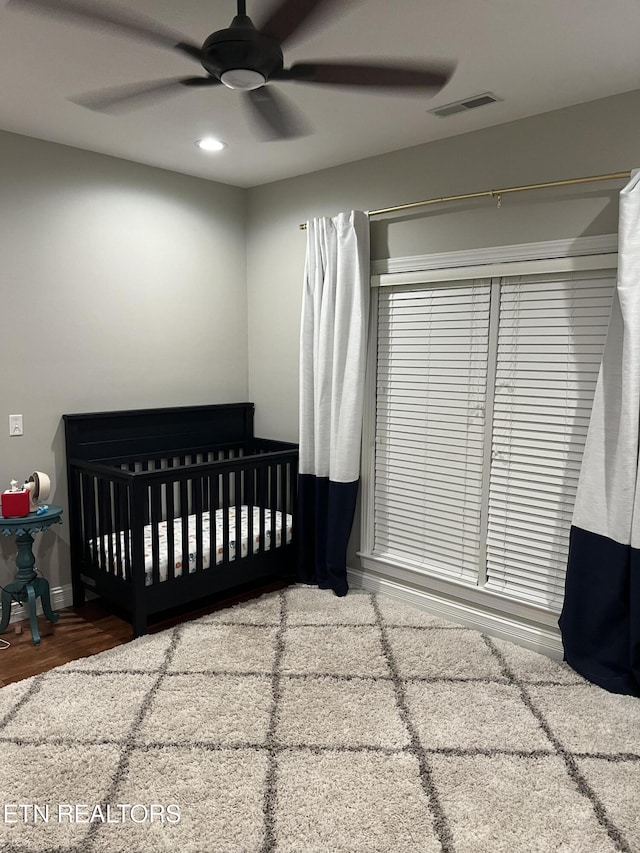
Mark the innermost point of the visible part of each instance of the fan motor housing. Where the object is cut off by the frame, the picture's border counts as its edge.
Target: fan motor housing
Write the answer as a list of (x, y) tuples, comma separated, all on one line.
[(241, 47)]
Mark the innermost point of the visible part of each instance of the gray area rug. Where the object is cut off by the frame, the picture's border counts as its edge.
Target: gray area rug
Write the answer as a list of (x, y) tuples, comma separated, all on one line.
[(302, 722)]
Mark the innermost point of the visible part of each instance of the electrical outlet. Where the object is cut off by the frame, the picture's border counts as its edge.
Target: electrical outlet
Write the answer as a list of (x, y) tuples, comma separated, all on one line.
[(15, 425)]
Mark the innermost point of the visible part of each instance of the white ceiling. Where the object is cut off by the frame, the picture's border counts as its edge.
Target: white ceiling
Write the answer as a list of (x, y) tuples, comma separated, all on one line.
[(537, 55)]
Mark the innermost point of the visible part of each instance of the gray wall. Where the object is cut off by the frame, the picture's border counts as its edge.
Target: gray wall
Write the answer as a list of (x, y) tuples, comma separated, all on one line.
[(122, 286), (127, 286), (594, 138)]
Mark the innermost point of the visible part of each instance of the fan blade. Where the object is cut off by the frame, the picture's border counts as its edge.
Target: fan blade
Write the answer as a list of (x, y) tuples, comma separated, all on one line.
[(380, 75), (291, 15), (113, 17), (277, 117), (122, 98)]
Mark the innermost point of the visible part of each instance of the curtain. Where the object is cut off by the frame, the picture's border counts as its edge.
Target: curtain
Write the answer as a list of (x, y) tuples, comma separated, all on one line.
[(600, 620), (333, 340)]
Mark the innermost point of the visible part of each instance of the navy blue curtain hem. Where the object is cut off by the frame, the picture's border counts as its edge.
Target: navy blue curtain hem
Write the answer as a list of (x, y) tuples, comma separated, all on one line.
[(325, 518), (625, 684), (600, 619)]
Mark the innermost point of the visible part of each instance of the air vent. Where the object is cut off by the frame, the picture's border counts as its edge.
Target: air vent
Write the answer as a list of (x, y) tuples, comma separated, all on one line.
[(464, 105)]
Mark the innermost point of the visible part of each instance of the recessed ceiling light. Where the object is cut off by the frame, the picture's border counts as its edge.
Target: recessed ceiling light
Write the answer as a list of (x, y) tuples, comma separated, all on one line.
[(209, 143)]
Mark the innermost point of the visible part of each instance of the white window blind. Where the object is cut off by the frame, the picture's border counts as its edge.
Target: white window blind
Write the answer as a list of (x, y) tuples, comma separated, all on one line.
[(474, 482), (430, 411), (551, 337)]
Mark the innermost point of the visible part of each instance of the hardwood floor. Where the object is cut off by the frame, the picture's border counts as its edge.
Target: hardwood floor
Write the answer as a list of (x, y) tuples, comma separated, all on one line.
[(79, 632), (84, 631)]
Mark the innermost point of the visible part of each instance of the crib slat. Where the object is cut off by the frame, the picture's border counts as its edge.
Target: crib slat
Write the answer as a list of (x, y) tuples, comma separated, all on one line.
[(117, 520), (198, 500), (262, 503), (145, 466), (171, 557), (249, 500), (155, 519), (126, 517), (214, 501), (139, 517), (237, 481), (90, 545), (184, 517), (104, 527), (273, 501), (225, 517)]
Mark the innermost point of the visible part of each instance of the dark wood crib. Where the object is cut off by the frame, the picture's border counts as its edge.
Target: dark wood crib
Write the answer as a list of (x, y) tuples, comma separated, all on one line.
[(170, 506)]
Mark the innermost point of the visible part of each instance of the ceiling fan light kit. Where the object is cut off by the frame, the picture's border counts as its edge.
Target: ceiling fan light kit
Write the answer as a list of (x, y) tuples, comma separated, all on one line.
[(242, 78), (243, 57)]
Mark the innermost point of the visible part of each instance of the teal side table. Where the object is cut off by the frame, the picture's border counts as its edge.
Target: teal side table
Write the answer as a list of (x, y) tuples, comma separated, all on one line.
[(28, 586)]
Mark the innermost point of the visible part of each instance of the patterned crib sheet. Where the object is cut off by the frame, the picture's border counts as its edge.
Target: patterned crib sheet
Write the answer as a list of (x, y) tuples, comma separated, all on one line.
[(190, 560)]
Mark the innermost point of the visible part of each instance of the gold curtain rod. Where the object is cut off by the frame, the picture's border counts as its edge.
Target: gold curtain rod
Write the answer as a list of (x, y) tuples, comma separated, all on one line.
[(614, 176)]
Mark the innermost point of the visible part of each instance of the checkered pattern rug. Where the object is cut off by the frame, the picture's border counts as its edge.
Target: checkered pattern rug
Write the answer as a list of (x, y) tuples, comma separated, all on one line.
[(306, 723)]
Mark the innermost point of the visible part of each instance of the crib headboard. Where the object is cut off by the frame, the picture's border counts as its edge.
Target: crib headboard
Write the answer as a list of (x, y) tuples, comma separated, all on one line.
[(140, 432)]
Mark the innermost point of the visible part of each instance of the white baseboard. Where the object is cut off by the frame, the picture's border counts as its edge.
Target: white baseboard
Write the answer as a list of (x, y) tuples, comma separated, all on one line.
[(539, 638), (61, 597)]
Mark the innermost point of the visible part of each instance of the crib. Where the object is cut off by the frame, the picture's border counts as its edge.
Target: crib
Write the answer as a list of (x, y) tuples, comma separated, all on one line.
[(170, 506)]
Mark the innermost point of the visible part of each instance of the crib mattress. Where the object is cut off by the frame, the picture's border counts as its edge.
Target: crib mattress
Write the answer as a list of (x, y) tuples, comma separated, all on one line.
[(180, 559)]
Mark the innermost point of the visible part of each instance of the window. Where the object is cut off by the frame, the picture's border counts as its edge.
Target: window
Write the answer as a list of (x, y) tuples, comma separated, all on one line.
[(551, 335), (483, 392), (430, 412)]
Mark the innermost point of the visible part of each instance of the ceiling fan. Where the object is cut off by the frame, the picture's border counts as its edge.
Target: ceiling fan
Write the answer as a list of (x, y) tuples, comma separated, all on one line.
[(243, 57)]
